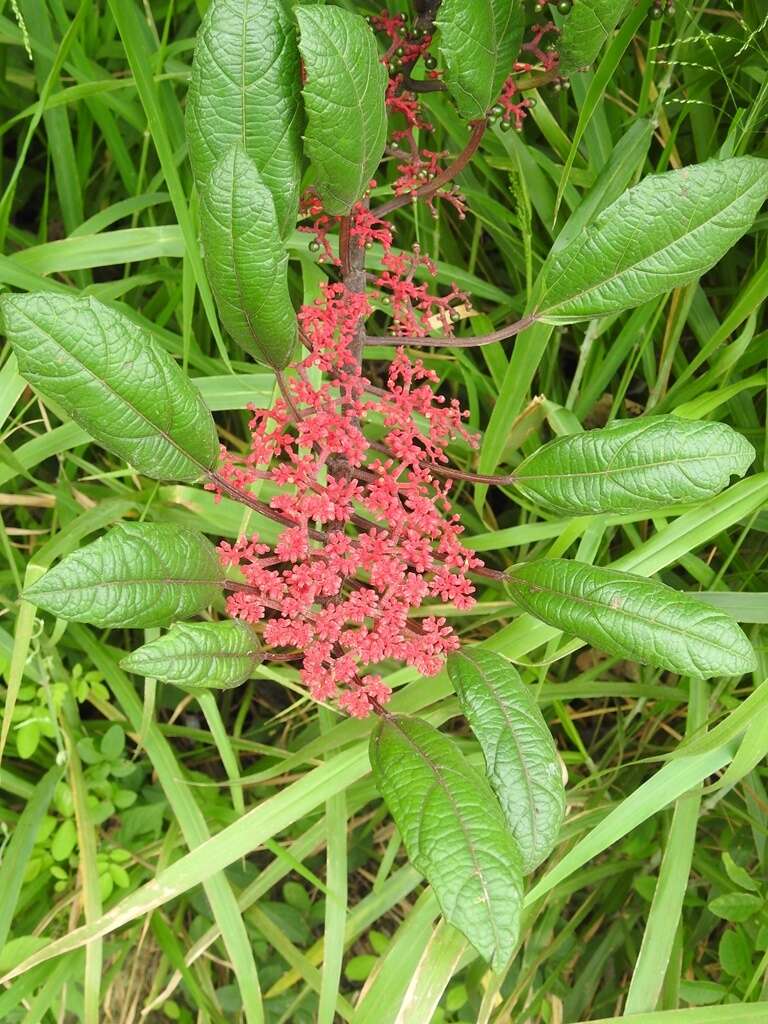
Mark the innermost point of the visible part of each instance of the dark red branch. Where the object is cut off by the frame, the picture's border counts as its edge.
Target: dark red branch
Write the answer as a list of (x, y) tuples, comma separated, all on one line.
[(264, 509), (423, 85), (482, 339), (431, 187)]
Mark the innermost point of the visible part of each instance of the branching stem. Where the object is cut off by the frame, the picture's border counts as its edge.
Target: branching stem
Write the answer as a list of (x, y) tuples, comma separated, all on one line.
[(446, 342), (450, 172)]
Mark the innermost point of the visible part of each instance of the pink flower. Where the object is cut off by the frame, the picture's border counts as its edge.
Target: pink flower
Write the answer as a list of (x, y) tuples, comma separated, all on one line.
[(369, 535)]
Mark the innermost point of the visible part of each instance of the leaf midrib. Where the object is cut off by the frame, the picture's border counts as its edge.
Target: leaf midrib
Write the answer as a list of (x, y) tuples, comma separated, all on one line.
[(96, 584), (359, 96), (610, 471), (439, 780), (117, 395), (542, 312), (154, 659), (593, 604), (502, 707)]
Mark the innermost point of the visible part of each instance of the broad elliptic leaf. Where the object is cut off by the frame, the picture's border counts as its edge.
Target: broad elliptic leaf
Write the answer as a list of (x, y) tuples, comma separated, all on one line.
[(662, 234), (344, 100), (215, 655), (114, 380), (586, 29), (246, 260), (139, 574), (632, 617), (479, 42), (246, 88), (520, 755), (454, 832), (634, 465)]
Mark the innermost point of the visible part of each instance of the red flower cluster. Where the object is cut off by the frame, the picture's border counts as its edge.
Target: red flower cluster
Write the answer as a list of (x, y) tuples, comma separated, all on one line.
[(370, 534), (547, 58), (415, 311), (403, 46)]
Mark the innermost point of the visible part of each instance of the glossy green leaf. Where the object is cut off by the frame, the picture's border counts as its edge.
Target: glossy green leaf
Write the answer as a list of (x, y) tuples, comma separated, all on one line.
[(114, 380), (586, 29), (520, 755), (632, 617), (344, 99), (139, 574), (246, 260), (479, 42), (245, 89), (664, 233), (454, 832), (219, 655), (633, 465)]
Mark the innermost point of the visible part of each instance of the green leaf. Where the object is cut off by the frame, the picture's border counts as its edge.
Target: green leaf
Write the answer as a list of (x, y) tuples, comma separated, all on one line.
[(586, 29), (736, 906), (664, 233), (520, 756), (27, 739), (344, 99), (114, 380), (699, 994), (64, 840), (139, 574), (245, 89), (454, 832), (112, 742), (246, 260), (735, 953), (737, 874), (633, 465), (632, 617), (479, 42), (219, 655)]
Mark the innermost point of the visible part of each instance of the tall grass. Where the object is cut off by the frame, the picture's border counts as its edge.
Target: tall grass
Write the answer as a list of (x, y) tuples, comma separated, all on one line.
[(232, 861)]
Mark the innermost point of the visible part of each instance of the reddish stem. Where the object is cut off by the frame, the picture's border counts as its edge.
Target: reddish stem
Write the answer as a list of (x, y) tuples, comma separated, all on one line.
[(450, 172), (258, 506), (482, 339)]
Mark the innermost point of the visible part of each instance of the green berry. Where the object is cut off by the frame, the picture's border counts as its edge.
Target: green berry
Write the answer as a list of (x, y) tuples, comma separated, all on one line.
[(314, 245), (497, 109), (400, 51), (429, 62), (564, 7), (506, 125)]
